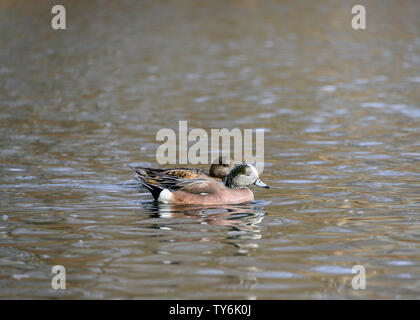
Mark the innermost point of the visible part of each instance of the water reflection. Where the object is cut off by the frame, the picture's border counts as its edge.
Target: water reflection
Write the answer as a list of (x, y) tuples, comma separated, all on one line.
[(242, 220)]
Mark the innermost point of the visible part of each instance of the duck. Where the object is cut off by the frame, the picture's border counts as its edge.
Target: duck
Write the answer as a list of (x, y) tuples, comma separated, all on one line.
[(218, 171), (204, 190)]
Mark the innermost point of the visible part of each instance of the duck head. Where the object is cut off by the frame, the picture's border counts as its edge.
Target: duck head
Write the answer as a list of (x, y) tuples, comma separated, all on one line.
[(244, 175), (221, 168)]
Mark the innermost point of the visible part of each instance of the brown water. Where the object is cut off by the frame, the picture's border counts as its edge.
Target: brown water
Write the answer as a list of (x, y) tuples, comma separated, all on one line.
[(342, 148)]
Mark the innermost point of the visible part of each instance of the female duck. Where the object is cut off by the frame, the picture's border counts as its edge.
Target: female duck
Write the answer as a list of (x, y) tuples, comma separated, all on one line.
[(218, 171)]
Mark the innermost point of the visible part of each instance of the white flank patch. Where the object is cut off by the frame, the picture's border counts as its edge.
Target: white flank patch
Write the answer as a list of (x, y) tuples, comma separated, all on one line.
[(165, 196)]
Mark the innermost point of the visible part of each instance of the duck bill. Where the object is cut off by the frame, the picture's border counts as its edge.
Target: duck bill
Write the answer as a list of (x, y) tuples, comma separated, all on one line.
[(259, 183)]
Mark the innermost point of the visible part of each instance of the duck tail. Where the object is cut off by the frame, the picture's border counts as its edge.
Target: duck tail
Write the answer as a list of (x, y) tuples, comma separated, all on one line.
[(143, 178), (155, 190)]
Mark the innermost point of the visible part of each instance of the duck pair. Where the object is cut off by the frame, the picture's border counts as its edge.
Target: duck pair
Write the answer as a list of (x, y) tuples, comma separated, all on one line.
[(225, 184)]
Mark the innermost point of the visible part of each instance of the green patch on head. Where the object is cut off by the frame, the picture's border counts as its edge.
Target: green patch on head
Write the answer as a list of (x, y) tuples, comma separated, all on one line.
[(241, 169)]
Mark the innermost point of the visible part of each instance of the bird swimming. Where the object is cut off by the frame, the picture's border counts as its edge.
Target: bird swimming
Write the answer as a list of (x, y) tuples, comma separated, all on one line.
[(218, 171), (202, 190)]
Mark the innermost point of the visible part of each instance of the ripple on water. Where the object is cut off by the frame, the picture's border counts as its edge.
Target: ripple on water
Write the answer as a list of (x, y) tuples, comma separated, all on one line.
[(341, 148)]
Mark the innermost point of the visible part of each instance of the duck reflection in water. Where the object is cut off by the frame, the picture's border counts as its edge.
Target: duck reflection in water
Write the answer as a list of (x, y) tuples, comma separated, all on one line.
[(245, 217)]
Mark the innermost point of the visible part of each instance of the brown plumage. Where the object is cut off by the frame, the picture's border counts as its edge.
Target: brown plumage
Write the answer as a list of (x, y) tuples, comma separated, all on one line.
[(218, 171), (203, 191)]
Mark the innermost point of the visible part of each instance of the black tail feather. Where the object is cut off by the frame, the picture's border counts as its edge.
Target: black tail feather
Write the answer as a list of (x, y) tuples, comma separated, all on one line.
[(155, 190), (141, 176)]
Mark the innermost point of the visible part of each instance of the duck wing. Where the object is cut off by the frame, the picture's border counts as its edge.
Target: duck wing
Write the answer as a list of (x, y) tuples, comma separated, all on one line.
[(160, 174)]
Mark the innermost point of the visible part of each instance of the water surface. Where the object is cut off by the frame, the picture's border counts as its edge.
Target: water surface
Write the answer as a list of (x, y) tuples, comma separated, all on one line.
[(341, 114)]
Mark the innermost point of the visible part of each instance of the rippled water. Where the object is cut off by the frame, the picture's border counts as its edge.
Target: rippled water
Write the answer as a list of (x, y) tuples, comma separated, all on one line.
[(341, 115)]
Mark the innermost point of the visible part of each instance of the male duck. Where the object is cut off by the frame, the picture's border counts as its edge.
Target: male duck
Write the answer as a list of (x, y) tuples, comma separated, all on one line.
[(204, 191)]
